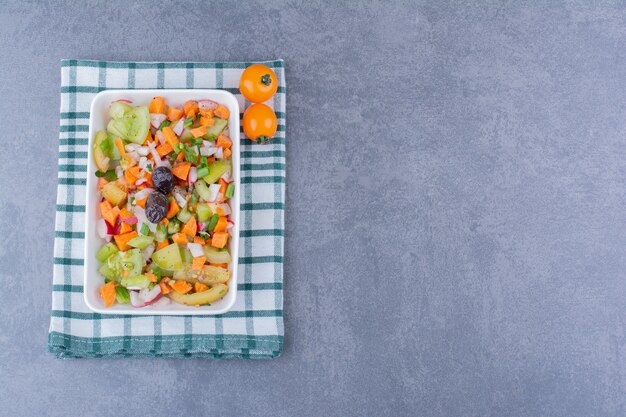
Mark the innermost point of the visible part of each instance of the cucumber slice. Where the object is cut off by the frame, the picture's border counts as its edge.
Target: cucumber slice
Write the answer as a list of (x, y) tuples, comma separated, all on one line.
[(168, 258), (105, 251), (200, 298), (173, 226), (133, 126), (209, 274), (160, 235), (118, 109), (214, 131), (115, 153), (184, 215), (108, 272), (216, 170), (132, 261), (141, 242), (139, 119), (136, 281), (113, 194), (186, 136), (203, 190), (216, 256), (99, 154), (186, 256), (203, 210), (121, 295)]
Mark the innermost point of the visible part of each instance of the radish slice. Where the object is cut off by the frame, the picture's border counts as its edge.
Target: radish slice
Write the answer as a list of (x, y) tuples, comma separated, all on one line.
[(163, 301), (124, 101), (227, 177), (145, 297), (129, 220), (102, 228), (220, 153), (226, 208), (195, 249), (193, 175), (156, 119), (214, 190), (140, 181), (178, 128), (207, 104)]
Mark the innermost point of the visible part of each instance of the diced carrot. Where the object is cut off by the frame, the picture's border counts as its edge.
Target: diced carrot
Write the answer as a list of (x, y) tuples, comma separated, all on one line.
[(227, 153), (101, 183), (180, 238), (165, 221), (198, 263), (125, 213), (219, 239), (190, 108), (170, 136), (165, 289), (152, 277), (223, 186), (120, 147), (125, 228), (105, 206), (221, 224), (157, 105), (198, 131), (220, 211), (190, 228), (181, 170), (164, 148), (111, 215), (222, 112), (163, 244), (141, 203), (207, 121), (199, 240), (132, 174), (172, 209), (225, 266), (181, 287), (224, 142), (174, 114), (199, 287), (210, 159), (107, 292), (206, 113), (122, 240)]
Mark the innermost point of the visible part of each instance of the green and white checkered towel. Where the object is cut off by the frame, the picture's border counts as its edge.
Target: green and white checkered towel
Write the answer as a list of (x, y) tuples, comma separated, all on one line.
[(254, 327)]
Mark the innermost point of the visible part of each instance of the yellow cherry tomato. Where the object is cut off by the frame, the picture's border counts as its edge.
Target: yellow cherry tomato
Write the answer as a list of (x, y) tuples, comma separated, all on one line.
[(259, 123), (258, 83)]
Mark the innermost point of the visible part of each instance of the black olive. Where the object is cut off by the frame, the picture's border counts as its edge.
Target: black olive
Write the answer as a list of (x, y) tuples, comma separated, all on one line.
[(163, 179), (156, 206)]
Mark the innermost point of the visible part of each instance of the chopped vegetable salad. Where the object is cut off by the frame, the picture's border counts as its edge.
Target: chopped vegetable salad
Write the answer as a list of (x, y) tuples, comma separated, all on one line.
[(164, 175)]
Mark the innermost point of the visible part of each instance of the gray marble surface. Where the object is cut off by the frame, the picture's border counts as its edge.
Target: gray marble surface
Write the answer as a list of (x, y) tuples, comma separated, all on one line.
[(455, 224)]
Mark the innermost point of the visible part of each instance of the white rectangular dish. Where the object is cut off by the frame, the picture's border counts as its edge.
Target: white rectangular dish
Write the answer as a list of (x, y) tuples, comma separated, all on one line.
[(98, 119)]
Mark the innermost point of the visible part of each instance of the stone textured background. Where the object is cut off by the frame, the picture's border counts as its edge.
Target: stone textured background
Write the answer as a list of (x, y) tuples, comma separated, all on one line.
[(455, 225)]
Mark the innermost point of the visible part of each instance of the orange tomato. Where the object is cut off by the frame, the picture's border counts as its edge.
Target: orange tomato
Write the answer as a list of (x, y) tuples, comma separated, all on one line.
[(258, 83), (259, 123)]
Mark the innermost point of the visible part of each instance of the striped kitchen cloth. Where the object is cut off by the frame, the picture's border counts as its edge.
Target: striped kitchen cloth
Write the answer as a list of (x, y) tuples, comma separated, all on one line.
[(254, 327)]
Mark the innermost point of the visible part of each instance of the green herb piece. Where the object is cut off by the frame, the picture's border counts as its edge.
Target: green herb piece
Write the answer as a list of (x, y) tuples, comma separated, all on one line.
[(165, 123), (188, 122), (109, 175), (203, 172), (213, 222), (122, 295), (145, 230)]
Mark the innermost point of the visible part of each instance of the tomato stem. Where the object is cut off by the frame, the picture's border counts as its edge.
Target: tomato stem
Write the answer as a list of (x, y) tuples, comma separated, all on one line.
[(266, 80), (263, 139)]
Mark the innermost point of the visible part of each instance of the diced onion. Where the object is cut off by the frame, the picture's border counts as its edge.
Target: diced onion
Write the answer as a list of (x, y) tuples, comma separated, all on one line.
[(160, 137), (220, 153), (131, 147), (206, 151), (140, 181), (119, 171), (227, 177), (143, 151), (214, 190), (195, 249), (226, 208), (147, 252), (154, 153), (156, 119), (178, 127), (207, 104)]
